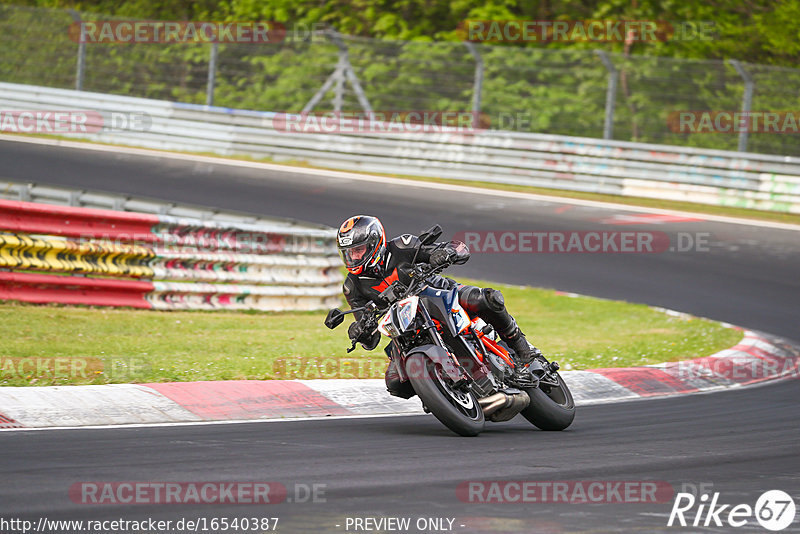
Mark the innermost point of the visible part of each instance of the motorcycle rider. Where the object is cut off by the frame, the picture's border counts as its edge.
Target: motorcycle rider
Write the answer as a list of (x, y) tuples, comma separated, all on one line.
[(373, 264)]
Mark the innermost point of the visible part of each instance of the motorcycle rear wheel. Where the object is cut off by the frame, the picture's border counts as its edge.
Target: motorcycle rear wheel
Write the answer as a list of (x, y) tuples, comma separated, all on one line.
[(551, 407), (456, 409)]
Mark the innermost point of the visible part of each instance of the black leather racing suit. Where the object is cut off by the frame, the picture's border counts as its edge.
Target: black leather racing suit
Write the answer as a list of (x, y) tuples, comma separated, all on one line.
[(486, 303)]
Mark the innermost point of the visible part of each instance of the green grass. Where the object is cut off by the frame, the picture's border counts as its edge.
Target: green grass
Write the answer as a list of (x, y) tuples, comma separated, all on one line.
[(707, 209), (82, 345)]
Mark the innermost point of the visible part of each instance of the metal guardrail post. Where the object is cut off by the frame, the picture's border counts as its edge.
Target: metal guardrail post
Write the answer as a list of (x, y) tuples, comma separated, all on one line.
[(477, 84), (212, 74), (611, 94), (747, 101), (81, 67)]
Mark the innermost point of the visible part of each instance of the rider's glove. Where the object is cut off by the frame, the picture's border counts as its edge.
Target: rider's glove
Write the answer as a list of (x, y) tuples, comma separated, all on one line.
[(459, 252), (357, 333), (454, 252), (440, 257)]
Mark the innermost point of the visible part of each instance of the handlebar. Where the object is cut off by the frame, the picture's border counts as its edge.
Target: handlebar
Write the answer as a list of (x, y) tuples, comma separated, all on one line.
[(418, 275), (370, 312)]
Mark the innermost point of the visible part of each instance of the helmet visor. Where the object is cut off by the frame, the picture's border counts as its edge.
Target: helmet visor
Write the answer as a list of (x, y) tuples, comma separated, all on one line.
[(355, 256)]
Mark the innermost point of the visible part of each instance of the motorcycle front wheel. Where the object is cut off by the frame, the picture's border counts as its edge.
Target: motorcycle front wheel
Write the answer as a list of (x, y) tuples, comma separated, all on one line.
[(457, 409)]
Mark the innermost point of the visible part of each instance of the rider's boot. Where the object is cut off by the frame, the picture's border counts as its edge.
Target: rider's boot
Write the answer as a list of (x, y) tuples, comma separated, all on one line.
[(515, 338)]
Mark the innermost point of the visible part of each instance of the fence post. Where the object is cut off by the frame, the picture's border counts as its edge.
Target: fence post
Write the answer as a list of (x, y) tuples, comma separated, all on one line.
[(344, 71), (338, 94), (350, 74), (611, 94), (477, 84), (747, 101), (336, 77), (81, 67), (212, 74)]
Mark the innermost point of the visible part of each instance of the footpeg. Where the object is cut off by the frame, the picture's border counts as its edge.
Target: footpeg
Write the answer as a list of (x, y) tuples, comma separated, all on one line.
[(524, 379), (536, 368), (528, 375)]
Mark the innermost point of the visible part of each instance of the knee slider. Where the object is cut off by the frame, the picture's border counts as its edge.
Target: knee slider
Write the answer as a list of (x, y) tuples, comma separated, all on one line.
[(471, 298), (494, 299)]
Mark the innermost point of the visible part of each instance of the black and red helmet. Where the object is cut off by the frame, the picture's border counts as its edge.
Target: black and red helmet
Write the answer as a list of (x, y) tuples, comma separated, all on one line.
[(362, 243)]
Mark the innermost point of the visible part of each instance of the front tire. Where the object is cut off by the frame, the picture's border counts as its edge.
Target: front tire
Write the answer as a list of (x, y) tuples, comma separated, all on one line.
[(456, 409)]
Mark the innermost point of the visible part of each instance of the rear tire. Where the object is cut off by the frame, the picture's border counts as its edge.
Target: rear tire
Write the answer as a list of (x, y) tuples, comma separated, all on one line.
[(456, 409), (551, 410)]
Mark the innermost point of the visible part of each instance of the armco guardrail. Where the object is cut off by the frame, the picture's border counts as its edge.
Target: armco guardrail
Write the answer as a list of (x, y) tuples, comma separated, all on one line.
[(579, 164), (79, 255)]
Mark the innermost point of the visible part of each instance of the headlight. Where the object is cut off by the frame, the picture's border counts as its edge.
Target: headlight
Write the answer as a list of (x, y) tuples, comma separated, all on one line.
[(406, 311), (399, 317)]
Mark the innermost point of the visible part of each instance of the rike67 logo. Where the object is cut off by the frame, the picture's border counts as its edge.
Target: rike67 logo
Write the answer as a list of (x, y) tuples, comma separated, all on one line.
[(774, 510)]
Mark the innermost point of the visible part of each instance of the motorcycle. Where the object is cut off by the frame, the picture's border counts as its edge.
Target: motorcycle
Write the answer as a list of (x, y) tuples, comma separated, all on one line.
[(457, 365)]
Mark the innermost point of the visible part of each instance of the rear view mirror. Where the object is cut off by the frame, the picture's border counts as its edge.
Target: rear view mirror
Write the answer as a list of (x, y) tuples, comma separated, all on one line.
[(430, 235), (335, 318)]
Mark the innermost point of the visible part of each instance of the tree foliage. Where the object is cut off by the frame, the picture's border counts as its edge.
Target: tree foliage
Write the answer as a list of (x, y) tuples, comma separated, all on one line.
[(408, 55), (757, 31)]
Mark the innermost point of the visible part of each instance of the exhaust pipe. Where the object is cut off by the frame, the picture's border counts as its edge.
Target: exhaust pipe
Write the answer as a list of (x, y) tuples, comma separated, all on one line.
[(492, 403), (502, 406)]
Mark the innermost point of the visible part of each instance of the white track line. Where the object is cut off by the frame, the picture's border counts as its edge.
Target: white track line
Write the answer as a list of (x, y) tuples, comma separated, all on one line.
[(393, 181), (709, 391), (205, 423)]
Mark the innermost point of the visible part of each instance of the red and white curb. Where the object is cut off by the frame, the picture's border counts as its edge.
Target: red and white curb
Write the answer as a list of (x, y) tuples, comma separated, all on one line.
[(757, 358)]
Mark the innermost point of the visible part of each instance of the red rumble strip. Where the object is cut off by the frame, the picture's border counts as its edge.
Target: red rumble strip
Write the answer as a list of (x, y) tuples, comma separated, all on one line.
[(7, 422), (249, 399)]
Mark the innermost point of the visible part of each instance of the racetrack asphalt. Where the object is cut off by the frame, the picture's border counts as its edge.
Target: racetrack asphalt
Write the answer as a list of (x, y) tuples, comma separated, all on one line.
[(740, 443)]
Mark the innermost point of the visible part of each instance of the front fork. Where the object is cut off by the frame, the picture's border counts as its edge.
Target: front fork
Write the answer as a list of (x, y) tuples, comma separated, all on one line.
[(436, 339)]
